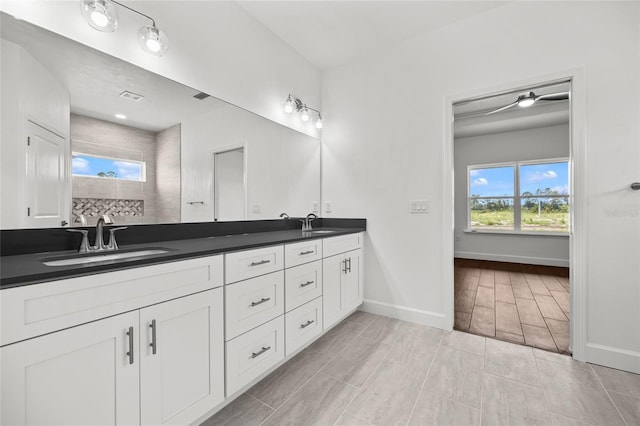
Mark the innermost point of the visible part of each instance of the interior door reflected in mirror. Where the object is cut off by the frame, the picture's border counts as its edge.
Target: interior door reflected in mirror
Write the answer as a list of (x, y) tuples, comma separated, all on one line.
[(136, 145), (229, 184)]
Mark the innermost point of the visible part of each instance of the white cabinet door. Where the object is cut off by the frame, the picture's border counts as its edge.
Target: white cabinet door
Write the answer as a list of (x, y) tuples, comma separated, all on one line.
[(342, 285), (184, 378), (46, 191), (352, 283), (78, 376)]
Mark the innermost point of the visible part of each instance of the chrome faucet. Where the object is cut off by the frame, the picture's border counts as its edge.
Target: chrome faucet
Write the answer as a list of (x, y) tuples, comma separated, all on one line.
[(99, 240), (284, 215), (306, 222), (98, 244)]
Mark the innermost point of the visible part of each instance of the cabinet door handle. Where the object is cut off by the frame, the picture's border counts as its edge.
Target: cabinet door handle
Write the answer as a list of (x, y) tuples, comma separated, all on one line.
[(307, 324), (154, 342), (349, 267), (344, 269), (260, 352), (306, 284), (130, 353), (262, 262), (261, 301), (302, 253)]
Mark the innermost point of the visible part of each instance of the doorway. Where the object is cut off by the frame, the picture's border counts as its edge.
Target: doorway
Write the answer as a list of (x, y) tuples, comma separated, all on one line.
[(229, 184), (513, 215)]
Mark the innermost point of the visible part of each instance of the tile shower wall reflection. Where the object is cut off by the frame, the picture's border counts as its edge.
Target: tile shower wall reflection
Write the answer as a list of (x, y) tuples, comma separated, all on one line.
[(98, 137)]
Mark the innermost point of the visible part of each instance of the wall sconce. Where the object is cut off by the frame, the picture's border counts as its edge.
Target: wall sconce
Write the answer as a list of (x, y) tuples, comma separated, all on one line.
[(294, 104), (103, 16)]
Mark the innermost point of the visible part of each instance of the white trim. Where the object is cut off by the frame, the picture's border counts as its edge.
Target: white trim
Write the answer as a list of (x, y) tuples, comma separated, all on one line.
[(516, 233), (613, 357), (404, 313), (578, 191), (546, 261)]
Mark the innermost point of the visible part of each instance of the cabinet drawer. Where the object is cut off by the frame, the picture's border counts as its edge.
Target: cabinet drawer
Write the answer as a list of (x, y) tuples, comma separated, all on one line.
[(336, 245), (303, 252), (253, 302), (303, 324), (37, 309), (253, 353), (302, 284), (252, 263)]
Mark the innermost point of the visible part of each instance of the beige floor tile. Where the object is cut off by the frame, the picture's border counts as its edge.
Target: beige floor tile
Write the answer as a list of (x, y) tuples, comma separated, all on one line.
[(243, 411), (539, 337), (505, 402), (517, 278), (529, 312), (562, 299), (504, 293), (474, 272), (511, 361), (549, 308), (574, 391), (485, 297), (337, 338), (502, 277), (349, 420), (470, 283), (415, 345), (321, 401), (483, 321), (618, 381), (507, 318), (434, 410), (387, 398), (486, 278), (465, 342), (464, 301), (560, 332), (538, 287), (510, 337), (629, 407), (559, 358), (362, 318), (522, 291), (552, 283), (462, 321), (278, 386), (356, 363)]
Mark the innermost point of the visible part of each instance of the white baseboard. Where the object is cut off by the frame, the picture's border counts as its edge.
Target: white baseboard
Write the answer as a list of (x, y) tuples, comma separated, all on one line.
[(404, 313), (608, 356), (512, 259)]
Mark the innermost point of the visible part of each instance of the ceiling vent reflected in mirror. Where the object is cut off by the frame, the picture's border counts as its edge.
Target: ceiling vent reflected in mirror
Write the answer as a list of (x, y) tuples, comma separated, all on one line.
[(131, 96), (201, 95)]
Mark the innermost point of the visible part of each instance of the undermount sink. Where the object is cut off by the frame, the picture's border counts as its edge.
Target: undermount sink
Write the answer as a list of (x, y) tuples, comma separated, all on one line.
[(322, 231), (85, 258)]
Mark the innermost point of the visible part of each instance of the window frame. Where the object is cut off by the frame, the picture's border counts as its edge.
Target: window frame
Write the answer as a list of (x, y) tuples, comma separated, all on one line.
[(517, 197), (143, 167)]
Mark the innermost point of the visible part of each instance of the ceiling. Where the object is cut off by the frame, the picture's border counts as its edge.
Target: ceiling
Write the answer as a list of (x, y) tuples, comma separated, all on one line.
[(332, 33)]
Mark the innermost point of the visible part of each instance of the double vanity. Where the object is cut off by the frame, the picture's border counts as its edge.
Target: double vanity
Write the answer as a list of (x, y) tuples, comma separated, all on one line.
[(169, 337)]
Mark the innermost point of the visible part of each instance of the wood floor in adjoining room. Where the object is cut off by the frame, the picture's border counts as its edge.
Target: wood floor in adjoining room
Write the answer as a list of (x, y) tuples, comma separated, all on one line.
[(524, 304), (374, 370)]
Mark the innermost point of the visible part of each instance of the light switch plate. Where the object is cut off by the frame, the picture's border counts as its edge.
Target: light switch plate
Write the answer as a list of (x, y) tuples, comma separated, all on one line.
[(418, 206), (255, 208), (316, 207), (328, 206)]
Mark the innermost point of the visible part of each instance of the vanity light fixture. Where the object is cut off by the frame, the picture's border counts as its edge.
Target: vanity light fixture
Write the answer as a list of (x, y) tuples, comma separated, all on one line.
[(103, 16), (294, 104)]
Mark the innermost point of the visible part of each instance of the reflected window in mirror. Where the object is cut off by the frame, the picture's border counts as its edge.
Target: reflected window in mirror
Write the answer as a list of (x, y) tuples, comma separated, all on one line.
[(86, 165)]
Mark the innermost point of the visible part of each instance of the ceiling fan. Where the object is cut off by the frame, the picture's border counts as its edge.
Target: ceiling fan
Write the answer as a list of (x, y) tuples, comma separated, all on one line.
[(531, 98)]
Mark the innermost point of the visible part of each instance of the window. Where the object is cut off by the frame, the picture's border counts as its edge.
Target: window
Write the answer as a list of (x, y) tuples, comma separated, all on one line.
[(526, 196), (87, 165)]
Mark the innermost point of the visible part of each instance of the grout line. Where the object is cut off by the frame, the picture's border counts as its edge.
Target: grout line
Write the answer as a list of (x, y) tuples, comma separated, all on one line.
[(607, 392), (260, 401)]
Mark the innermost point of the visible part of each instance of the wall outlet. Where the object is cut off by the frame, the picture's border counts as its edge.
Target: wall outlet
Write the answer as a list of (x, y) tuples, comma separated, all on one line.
[(328, 206), (316, 207), (255, 208), (418, 206)]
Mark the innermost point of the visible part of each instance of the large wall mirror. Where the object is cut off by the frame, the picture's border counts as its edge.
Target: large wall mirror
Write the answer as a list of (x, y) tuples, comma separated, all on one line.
[(86, 134)]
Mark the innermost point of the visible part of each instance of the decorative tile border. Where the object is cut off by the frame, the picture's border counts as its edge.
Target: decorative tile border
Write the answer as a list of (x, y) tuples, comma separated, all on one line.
[(113, 207)]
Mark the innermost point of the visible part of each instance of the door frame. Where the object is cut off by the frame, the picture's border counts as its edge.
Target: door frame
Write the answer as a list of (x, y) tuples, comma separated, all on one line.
[(214, 175), (578, 198)]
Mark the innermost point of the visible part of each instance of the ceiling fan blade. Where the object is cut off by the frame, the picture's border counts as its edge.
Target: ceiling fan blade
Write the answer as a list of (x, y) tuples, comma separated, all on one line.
[(561, 96), (501, 108)]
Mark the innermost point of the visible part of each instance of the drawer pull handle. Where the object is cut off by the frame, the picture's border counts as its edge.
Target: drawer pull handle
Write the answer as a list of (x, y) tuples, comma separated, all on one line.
[(154, 342), (344, 262), (260, 352), (262, 262), (349, 267), (130, 353), (261, 301), (307, 324), (306, 284), (302, 253)]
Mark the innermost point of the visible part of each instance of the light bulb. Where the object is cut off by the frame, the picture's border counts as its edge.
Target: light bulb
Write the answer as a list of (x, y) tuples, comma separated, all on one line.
[(304, 114), (526, 100), (153, 40), (319, 122), (289, 105), (100, 14)]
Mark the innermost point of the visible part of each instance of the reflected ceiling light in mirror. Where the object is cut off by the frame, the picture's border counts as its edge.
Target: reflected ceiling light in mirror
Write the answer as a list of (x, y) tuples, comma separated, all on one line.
[(102, 15), (526, 100), (294, 104), (121, 116)]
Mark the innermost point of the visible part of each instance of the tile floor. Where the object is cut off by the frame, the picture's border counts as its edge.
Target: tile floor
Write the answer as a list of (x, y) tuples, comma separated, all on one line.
[(524, 304), (373, 370)]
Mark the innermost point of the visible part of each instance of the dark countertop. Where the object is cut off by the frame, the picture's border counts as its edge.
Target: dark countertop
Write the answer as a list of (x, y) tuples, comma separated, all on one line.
[(27, 269)]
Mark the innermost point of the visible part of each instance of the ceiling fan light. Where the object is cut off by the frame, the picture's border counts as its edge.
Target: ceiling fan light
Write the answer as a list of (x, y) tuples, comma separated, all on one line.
[(153, 40), (100, 14)]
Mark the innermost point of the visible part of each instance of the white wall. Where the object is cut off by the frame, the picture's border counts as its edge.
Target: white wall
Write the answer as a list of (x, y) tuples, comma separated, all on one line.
[(214, 46), (531, 144), (385, 146)]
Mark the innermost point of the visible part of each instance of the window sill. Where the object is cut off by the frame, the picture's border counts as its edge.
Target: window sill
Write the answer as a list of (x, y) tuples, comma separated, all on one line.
[(518, 233)]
